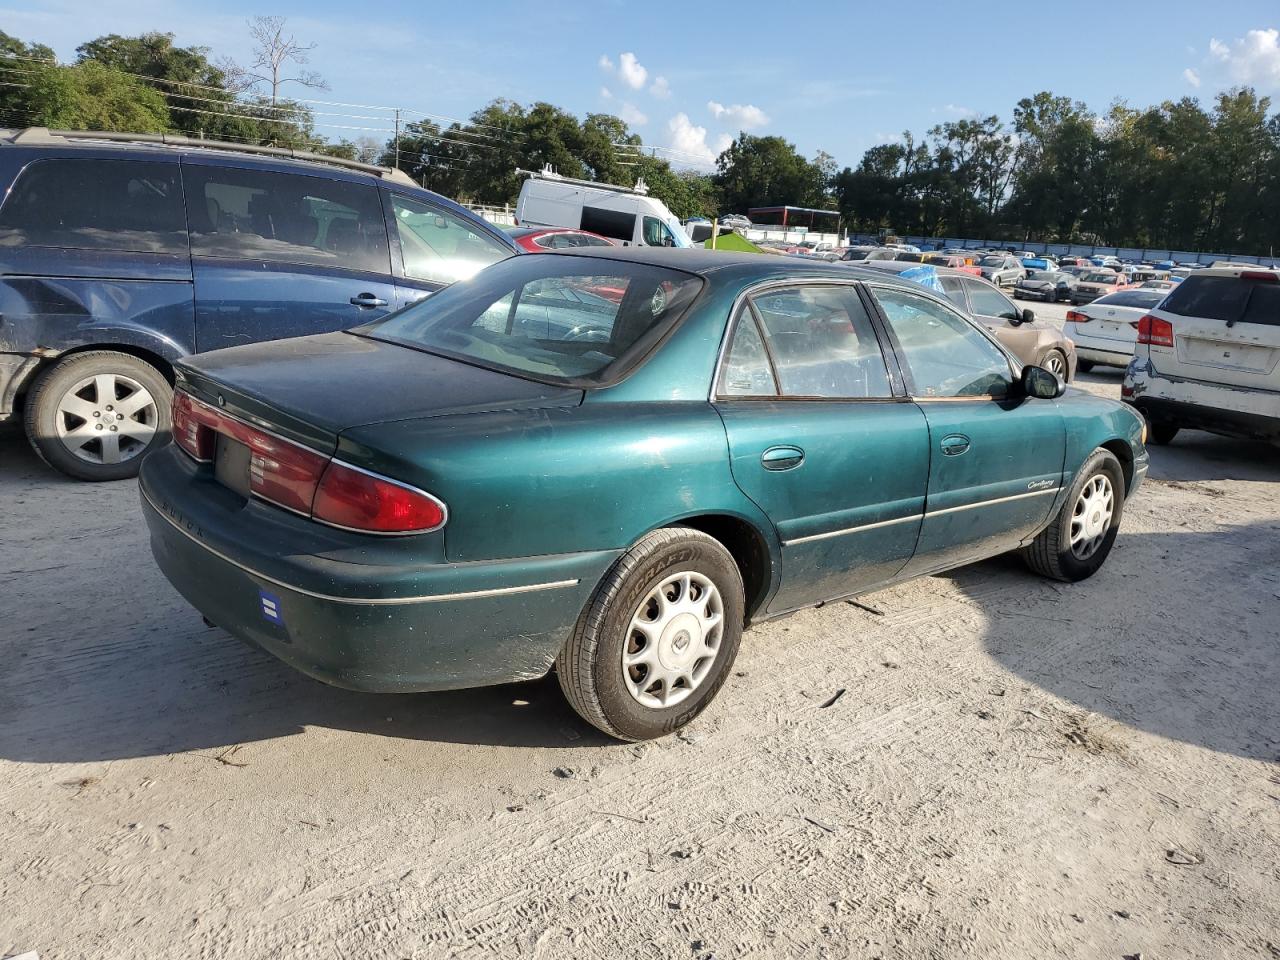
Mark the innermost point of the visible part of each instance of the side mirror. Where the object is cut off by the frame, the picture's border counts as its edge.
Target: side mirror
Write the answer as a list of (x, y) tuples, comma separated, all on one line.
[(1028, 315), (1040, 383)]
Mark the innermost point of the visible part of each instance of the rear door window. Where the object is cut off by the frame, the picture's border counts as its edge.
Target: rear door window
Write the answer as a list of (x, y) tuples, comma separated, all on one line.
[(123, 205), (986, 302), (285, 217), (609, 223)]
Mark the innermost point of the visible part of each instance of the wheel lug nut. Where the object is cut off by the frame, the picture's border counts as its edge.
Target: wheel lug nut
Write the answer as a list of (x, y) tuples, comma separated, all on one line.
[(97, 413), (98, 426), (119, 416), (109, 407), (113, 428)]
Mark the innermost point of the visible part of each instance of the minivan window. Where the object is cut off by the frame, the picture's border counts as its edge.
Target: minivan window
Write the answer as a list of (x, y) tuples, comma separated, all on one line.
[(285, 217), (436, 245), (569, 320), (124, 205), (609, 223)]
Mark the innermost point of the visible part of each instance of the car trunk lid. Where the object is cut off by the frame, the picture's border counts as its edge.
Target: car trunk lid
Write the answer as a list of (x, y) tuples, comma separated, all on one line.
[(310, 389)]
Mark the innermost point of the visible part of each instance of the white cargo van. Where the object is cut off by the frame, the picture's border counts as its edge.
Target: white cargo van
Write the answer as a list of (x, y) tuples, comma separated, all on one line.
[(627, 214)]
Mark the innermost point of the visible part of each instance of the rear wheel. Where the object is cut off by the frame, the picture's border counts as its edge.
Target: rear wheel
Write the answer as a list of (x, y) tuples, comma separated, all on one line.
[(656, 641), (94, 415), (1162, 434), (1084, 366), (1080, 537)]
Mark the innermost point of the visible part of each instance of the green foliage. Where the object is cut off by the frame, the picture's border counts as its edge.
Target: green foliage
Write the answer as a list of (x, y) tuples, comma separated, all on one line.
[(768, 171), (90, 96)]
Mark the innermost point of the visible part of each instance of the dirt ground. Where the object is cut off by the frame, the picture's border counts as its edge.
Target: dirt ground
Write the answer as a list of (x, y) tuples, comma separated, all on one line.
[(1014, 769)]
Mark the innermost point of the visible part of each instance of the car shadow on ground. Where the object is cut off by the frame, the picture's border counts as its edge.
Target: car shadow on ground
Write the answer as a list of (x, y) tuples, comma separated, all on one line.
[(141, 675)]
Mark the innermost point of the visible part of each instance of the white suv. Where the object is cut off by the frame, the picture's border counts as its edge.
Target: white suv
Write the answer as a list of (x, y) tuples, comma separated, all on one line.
[(1208, 357)]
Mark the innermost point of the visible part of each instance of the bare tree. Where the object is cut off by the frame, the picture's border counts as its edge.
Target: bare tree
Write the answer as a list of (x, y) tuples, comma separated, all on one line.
[(275, 54)]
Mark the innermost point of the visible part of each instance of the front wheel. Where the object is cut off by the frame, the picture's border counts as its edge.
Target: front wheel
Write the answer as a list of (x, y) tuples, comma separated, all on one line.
[(658, 638), (1055, 361), (95, 415), (1078, 540), (1162, 434)]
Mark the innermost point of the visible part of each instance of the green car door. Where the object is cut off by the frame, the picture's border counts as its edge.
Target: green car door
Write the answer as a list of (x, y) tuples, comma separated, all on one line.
[(822, 439), (995, 457)]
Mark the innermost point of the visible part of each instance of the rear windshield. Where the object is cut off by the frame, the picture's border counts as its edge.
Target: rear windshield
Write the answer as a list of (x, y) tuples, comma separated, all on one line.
[(1100, 278), (568, 320), (1229, 299), (1146, 299)]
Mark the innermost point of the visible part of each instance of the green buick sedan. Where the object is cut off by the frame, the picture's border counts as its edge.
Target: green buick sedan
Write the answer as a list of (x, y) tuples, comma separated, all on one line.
[(610, 464)]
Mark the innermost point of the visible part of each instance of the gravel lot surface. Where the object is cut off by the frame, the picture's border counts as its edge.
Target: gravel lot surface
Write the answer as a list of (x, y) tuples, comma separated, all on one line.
[(1015, 768)]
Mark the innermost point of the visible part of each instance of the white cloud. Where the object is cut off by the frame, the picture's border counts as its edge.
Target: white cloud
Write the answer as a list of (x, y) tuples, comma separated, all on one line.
[(631, 116), (1191, 77), (958, 111), (745, 115), (690, 140), (660, 88), (631, 72), (606, 93), (1252, 59), (605, 63)]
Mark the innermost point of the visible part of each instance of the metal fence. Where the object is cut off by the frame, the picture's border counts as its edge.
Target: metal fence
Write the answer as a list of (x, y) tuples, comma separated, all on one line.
[(1148, 254)]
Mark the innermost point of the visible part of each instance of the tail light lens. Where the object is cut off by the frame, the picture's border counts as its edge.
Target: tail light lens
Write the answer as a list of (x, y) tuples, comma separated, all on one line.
[(1154, 331), (1075, 316), (358, 500), (305, 481)]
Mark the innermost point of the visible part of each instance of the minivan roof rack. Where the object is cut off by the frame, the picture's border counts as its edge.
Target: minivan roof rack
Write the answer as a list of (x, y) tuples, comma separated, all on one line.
[(549, 173), (43, 135)]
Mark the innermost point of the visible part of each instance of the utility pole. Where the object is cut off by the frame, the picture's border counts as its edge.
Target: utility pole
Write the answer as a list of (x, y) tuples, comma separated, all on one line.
[(396, 148)]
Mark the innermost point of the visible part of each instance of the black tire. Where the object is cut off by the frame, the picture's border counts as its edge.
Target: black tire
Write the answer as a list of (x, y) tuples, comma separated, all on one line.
[(1162, 434), (1050, 554), (590, 665), (41, 414), (1084, 366), (1054, 355)]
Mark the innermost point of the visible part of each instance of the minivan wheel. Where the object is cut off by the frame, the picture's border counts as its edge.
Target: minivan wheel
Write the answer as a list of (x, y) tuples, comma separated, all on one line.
[(94, 415), (658, 638), (1162, 434), (1080, 537)]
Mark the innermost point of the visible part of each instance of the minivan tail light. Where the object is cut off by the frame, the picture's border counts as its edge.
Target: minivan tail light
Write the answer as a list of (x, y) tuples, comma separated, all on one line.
[(1154, 331), (1269, 276), (355, 499)]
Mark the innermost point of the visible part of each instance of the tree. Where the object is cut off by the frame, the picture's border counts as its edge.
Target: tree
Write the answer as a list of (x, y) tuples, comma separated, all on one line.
[(767, 171), (91, 96), (274, 55)]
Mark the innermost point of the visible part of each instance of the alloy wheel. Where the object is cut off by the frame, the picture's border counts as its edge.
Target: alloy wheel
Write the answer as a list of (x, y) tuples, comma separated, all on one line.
[(1056, 365), (672, 640), (107, 418), (1091, 516)]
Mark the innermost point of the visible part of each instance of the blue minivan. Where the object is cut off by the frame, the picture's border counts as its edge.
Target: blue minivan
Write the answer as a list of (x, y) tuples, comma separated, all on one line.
[(121, 253)]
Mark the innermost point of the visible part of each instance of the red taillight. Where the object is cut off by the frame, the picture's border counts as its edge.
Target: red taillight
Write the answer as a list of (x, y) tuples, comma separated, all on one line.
[(1270, 276), (190, 431), (306, 481), (357, 500), (1075, 316), (1157, 332)]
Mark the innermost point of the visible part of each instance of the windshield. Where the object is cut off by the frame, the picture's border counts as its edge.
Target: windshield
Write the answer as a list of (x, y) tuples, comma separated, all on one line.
[(1042, 275), (565, 319), (1100, 278), (1132, 298), (992, 261)]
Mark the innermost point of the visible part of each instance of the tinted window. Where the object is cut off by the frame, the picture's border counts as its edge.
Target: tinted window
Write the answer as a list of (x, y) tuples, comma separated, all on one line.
[(256, 215), (609, 223), (822, 343), (946, 356), (1227, 299), (558, 319), (954, 290), (746, 371), (436, 245), (96, 205), (656, 233), (985, 302)]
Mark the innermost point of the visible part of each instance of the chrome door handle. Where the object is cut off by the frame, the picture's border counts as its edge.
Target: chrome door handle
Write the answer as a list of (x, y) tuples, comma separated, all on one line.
[(954, 445), (782, 458), (368, 300)]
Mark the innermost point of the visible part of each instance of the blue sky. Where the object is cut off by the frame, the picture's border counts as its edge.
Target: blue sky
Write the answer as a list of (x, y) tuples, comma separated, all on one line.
[(688, 76)]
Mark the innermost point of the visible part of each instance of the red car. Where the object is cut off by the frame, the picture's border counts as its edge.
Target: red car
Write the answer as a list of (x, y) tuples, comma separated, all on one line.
[(545, 239)]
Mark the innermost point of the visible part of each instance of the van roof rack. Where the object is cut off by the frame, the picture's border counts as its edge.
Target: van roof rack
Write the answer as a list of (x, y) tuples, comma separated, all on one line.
[(43, 135), (548, 173)]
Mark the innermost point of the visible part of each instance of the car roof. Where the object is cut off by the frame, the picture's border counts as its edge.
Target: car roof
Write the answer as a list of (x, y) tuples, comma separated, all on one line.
[(730, 265), (1234, 271)]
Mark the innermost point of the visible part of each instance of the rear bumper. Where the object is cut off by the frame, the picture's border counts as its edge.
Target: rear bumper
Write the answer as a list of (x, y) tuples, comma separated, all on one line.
[(358, 612), (1230, 411), (1112, 358)]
